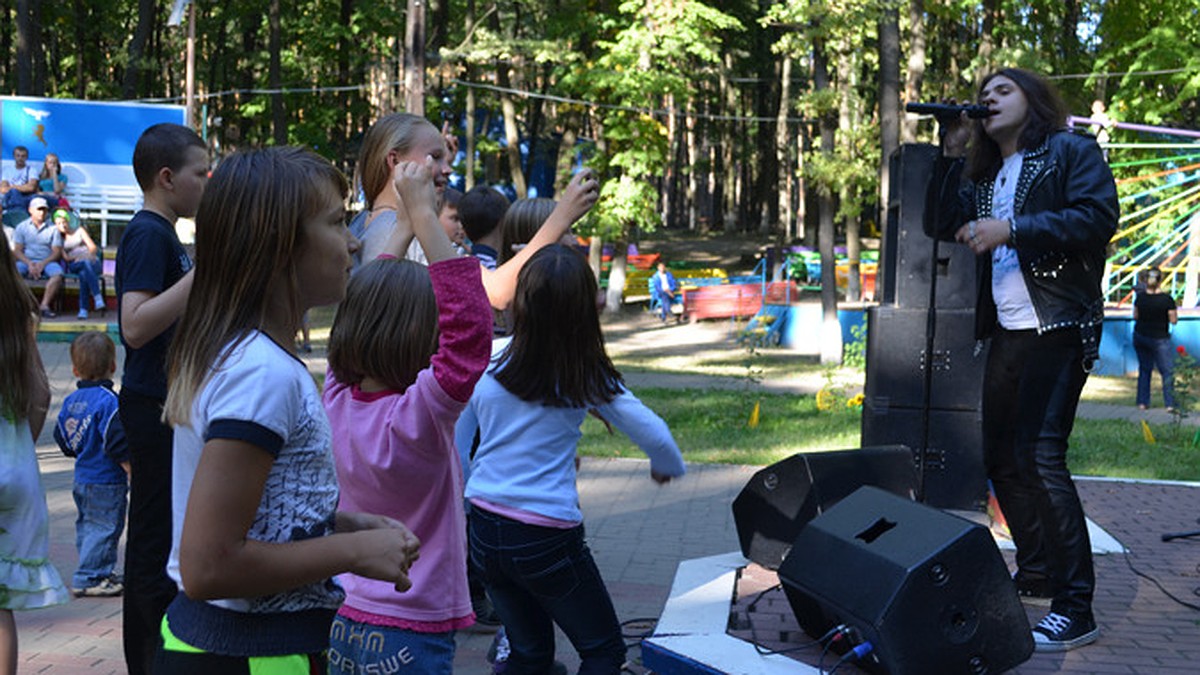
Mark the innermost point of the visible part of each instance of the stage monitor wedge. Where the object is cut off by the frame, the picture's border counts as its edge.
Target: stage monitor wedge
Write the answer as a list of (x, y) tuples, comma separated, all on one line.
[(927, 589), (779, 499)]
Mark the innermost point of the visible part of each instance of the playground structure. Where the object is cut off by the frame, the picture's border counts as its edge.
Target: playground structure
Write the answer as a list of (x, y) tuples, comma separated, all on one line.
[(1160, 223)]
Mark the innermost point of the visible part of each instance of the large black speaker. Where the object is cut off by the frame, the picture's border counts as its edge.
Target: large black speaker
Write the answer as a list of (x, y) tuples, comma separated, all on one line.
[(896, 359), (927, 589), (907, 253), (779, 499), (955, 477)]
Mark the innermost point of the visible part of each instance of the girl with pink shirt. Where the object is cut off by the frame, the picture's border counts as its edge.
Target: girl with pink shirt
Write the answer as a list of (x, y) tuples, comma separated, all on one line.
[(407, 347)]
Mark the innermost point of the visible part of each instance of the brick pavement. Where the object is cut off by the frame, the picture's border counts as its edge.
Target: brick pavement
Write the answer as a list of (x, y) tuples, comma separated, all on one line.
[(639, 532)]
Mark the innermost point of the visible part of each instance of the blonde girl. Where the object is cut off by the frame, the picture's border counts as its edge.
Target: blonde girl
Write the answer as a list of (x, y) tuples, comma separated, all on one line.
[(401, 137), (257, 534)]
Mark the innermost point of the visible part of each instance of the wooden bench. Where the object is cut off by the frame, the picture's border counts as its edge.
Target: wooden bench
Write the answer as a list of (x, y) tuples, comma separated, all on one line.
[(734, 300), (104, 203), (38, 287)]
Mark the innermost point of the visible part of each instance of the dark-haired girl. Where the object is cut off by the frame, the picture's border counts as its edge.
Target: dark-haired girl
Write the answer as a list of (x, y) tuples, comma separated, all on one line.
[(1037, 204), (526, 528)]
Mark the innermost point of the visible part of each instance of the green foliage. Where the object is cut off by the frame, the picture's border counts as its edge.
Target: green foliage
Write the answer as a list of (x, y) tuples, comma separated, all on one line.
[(854, 353)]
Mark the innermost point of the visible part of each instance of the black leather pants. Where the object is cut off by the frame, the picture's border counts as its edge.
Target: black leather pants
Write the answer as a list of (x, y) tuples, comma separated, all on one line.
[(1030, 392)]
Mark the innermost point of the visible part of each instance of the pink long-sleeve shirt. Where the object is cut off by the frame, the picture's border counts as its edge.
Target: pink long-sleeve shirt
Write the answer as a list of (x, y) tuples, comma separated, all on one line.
[(395, 456)]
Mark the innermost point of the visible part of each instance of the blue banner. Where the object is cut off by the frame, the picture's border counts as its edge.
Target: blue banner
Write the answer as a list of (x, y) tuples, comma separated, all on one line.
[(84, 132)]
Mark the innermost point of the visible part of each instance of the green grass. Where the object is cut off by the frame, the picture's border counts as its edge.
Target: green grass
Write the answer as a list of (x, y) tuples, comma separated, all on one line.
[(711, 426)]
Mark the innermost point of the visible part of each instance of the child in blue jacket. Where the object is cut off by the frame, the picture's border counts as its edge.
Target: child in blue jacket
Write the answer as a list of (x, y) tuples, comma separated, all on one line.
[(89, 430)]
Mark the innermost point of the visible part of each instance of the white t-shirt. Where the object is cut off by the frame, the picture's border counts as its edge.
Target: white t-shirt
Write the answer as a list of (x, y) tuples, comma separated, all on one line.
[(265, 396), (1014, 308)]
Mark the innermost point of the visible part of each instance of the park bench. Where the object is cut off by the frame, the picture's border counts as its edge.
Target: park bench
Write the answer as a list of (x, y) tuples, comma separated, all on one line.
[(71, 282), (734, 300), (104, 203)]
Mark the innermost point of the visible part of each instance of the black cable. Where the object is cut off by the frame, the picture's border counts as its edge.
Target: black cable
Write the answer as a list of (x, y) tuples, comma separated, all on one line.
[(649, 620), (1147, 577), (763, 651)]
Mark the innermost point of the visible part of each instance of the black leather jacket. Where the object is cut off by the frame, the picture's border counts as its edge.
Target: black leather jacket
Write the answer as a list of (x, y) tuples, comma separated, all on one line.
[(1066, 213)]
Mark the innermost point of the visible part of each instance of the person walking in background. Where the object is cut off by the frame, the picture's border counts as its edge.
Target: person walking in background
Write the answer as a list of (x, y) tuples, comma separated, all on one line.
[(153, 281), (257, 533), (1037, 205), (1154, 312), (27, 577), (89, 430)]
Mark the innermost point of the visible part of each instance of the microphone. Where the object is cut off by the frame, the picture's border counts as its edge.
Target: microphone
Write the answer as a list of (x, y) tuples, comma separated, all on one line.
[(950, 110)]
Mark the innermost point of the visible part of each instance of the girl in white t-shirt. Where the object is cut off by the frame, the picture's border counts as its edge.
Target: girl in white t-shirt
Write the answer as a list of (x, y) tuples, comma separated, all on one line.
[(257, 535)]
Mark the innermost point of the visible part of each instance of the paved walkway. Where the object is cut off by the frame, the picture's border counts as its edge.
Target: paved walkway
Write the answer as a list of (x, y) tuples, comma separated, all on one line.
[(639, 532)]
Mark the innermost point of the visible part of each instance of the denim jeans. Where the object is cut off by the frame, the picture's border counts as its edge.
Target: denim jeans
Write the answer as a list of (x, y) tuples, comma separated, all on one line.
[(89, 272), (1155, 353), (98, 529), (541, 576), (50, 270), (1031, 389), (356, 647)]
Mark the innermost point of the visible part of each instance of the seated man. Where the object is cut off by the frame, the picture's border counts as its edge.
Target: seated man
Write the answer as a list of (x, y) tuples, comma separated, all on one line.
[(19, 181), (38, 248), (664, 289)]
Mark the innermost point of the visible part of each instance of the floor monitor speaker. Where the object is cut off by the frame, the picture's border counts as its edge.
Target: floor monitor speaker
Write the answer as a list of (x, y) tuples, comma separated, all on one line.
[(779, 499), (928, 590)]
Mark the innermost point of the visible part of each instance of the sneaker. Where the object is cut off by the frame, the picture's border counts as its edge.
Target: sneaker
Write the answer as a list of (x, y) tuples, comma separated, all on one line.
[(105, 589), (498, 651), (1034, 590), (1061, 632), (47, 313), (83, 313), (98, 304)]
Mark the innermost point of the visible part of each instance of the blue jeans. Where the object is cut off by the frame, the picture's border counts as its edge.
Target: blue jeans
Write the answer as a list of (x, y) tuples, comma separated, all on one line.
[(89, 272), (1031, 388), (541, 576), (98, 529), (53, 269), (1155, 353), (356, 647)]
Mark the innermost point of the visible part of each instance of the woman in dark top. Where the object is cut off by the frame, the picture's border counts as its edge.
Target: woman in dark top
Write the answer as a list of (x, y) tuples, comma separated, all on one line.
[(1153, 314)]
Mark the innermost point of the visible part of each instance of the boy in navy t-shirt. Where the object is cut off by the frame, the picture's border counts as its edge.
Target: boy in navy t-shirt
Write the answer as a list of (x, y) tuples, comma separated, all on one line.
[(89, 430), (153, 280)]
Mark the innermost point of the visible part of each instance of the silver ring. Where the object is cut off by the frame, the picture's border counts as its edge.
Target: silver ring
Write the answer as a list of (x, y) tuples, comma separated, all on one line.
[(971, 228)]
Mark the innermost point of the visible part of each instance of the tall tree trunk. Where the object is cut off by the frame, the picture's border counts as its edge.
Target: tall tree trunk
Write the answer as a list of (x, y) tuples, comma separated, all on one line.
[(345, 117), (569, 122), (470, 131), (915, 73), (28, 44), (83, 53), (693, 163), (137, 48), (831, 333), (729, 205), (765, 157), (782, 147), (889, 100), (849, 118), (668, 190), (987, 39), (278, 112), (414, 58)]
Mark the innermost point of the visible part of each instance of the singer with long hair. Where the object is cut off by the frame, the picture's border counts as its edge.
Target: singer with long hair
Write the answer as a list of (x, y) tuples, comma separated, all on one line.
[(1037, 204)]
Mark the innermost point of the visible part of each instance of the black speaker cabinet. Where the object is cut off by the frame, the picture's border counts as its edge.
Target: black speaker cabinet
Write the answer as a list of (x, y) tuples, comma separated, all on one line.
[(777, 502), (955, 477), (896, 358), (927, 589), (907, 253)]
